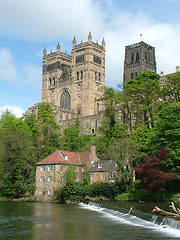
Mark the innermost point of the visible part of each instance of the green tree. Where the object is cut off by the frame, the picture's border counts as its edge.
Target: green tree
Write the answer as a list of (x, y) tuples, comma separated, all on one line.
[(73, 140), (46, 131), (124, 152), (171, 89), (8, 119), (17, 163), (142, 94), (166, 134)]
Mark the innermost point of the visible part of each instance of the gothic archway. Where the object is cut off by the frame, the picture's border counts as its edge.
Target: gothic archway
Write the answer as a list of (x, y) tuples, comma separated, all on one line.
[(65, 100)]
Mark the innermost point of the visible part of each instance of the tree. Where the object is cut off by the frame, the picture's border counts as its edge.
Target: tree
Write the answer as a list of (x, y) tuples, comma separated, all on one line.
[(154, 179), (46, 131), (73, 140), (142, 94), (171, 88), (17, 163), (124, 152), (166, 134)]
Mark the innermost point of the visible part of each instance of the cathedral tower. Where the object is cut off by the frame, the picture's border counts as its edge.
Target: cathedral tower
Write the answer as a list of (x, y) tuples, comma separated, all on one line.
[(74, 83), (139, 57)]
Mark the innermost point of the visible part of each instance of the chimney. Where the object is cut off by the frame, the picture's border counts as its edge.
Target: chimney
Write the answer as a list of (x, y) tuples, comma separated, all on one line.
[(177, 69), (93, 156)]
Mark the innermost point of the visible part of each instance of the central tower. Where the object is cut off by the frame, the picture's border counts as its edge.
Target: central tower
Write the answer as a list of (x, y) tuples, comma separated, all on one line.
[(139, 57)]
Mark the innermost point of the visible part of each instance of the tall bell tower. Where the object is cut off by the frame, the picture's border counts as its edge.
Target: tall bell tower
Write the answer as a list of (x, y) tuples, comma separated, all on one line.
[(139, 57), (88, 73)]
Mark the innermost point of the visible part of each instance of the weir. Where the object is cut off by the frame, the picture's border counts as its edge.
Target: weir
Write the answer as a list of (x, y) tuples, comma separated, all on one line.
[(164, 225)]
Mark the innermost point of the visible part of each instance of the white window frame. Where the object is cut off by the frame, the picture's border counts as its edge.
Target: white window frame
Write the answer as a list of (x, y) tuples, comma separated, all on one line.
[(42, 179), (49, 192), (92, 176), (49, 179), (65, 157), (42, 168), (63, 179), (50, 168), (76, 179), (63, 168), (99, 165), (77, 169), (101, 175)]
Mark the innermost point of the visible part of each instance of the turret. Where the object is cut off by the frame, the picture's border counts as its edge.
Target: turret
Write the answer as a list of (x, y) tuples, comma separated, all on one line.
[(103, 44), (44, 52), (74, 43), (58, 48), (90, 37)]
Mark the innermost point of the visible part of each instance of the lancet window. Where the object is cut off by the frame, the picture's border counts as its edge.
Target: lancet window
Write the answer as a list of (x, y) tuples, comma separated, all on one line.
[(65, 100)]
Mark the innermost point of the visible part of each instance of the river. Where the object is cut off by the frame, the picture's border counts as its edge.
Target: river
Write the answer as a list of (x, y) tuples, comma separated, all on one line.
[(50, 221)]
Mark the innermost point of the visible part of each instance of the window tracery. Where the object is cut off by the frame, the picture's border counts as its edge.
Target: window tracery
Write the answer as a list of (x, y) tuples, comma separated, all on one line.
[(65, 100)]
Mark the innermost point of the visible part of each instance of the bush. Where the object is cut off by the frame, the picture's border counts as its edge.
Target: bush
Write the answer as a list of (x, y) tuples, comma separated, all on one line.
[(123, 197), (78, 191)]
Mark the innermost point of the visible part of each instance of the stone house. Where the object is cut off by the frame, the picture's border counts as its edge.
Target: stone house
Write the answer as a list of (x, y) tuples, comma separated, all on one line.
[(50, 171), (104, 171)]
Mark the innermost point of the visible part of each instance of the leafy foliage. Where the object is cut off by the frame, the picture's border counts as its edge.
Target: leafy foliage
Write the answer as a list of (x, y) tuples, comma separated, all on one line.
[(166, 134), (171, 89), (153, 177), (142, 94)]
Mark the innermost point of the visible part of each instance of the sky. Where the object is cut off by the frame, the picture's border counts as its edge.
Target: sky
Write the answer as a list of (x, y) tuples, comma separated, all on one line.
[(26, 27)]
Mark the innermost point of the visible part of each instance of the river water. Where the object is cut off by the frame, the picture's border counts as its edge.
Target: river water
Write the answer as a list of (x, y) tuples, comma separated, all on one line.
[(50, 221)]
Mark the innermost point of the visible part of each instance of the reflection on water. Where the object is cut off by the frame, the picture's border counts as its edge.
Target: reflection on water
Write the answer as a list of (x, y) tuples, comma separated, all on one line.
[(48, 221)]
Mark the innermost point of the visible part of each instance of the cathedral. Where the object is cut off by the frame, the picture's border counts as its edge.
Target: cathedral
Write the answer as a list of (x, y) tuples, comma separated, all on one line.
[(75, 84)]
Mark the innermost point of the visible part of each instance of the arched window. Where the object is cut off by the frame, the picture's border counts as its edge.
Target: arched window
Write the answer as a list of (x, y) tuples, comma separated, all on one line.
[(77, 75), (132, 75), (81, 74), (146, 57), (99, 76), (65, 100), (50, 82), (97, 107), (132, 57), (137, 57), (95, 75), (53, 82)]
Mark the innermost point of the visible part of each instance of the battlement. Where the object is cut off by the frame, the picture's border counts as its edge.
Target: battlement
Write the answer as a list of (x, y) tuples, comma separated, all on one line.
[(83, 44), (136, 45)]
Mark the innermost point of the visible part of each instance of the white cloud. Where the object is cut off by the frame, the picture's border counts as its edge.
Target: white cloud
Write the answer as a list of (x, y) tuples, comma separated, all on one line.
[(8, 72), (17, 111), (60, 20), (30, 74)]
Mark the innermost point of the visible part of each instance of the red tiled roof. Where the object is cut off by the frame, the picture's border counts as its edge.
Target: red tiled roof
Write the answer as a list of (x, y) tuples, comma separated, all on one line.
[(73, 157)]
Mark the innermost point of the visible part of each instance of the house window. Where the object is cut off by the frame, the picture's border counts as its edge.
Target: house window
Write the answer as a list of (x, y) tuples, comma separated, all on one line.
[(65, 157), (113, 174), (99, 165), (101, 175), (77, 169), (92, 176), (63, 179), (49, 179), (63, 168), (42, 179), (83, 169), (42, 168), (49, 192), (76, 179), (49, 168)]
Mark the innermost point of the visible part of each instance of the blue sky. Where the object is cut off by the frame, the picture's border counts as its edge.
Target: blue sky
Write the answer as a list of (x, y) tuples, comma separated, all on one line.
[(26, 27)]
